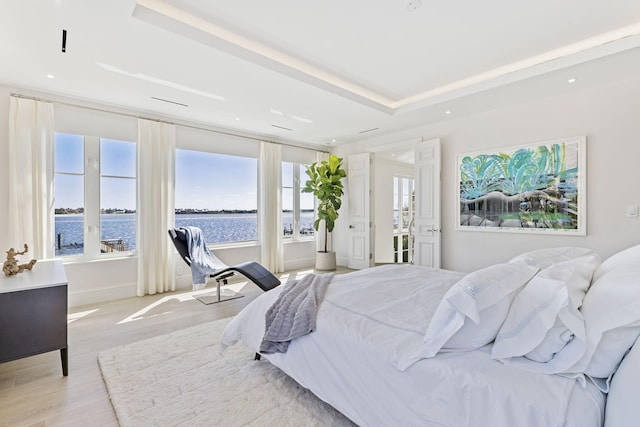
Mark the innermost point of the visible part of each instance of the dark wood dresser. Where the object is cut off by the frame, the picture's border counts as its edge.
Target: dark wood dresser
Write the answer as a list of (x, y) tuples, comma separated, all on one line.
[(33, 313)]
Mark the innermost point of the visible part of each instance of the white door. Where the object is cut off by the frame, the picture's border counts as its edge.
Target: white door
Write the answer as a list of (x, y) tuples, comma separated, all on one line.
[(359, 198), (427, 210)]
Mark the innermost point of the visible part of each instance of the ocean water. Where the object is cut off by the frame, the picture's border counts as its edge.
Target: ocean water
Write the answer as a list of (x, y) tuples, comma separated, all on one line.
[(118, 231)]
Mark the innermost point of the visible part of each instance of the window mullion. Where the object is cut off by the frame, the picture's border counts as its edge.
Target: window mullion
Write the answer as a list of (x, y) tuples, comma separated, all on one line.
[(296, 201), (92, 197)]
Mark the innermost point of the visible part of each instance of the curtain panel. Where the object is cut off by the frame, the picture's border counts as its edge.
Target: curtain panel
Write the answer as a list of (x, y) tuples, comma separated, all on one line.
[(270, 209), (156, 150), (31, 172)]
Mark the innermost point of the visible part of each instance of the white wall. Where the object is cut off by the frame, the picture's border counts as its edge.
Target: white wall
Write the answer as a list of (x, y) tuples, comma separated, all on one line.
[(4, 170), (607, 115), (114, 278)]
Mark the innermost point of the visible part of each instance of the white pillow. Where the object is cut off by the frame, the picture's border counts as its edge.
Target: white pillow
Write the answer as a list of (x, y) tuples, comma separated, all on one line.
[(543, 258), (544, 316), (472, 311), (554, 341), (611, 349), (611, 310), (630, 256), (622, 401)]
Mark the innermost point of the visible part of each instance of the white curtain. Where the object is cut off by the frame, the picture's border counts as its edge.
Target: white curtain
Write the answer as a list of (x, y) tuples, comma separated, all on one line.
[(271, 250), (156, 150), (31, 170)]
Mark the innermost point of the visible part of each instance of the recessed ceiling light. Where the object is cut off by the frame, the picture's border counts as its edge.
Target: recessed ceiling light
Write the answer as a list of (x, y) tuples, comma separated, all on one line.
[(448, 112), (333, 140), (277, 112), (237, 118), (50, 76), (571, 80)]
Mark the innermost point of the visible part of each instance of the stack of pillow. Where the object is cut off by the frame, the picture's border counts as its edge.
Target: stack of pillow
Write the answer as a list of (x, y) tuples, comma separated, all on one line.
[(555, 311), (472, 311), (611, 311), (545, 330)]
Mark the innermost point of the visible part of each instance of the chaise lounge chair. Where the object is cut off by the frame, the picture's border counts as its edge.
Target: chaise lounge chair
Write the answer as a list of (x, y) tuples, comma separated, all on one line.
[(215, 268)]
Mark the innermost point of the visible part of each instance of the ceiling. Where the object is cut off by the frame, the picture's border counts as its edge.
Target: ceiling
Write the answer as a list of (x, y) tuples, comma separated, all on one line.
[(326, 72)]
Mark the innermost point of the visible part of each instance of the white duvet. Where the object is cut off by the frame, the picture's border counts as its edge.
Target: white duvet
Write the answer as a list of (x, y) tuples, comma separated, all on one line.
[(369, 319)]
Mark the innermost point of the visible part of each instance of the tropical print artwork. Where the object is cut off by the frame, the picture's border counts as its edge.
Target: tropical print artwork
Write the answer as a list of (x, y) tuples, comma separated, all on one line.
[(534, 188)]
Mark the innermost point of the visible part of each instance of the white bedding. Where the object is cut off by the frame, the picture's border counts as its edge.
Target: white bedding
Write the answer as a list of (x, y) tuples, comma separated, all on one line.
[(369, 319)]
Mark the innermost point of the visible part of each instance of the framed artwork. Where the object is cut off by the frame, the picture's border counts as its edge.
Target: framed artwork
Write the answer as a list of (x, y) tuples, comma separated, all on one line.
[(538, 188)]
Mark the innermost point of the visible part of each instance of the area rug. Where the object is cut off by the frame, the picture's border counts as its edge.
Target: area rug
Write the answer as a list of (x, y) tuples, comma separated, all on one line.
[(182, 379)]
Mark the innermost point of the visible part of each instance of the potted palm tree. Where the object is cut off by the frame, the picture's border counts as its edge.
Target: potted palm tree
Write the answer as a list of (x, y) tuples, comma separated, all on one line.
[(325, 182)]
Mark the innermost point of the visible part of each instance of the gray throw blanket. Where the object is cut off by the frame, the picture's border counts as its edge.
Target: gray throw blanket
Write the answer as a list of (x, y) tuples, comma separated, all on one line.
[(203, 262), (293, 314)]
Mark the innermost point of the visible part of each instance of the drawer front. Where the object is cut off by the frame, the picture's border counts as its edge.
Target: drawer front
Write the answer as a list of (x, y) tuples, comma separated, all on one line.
[(32, 321)]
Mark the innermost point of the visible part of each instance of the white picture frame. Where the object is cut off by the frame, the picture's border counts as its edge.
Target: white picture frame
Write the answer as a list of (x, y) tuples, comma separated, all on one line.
[(535, 188)]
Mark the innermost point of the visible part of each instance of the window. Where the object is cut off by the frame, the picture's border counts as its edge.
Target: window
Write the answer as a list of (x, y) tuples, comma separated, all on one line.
[(69, 194), (219, 194), (403, 199), (117, 195), (95, 195), (298, 208)]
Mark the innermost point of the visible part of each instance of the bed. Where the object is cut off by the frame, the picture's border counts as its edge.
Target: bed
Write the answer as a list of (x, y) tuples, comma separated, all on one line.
[(524, 343)]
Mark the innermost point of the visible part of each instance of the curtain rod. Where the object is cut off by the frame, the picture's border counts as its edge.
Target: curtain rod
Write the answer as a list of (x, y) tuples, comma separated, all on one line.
[(135, 116)]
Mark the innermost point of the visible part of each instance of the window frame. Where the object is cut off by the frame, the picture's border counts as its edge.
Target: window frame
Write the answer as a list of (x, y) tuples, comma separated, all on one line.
[(296, 236), (237, 243), (399, 232), (92, 209)]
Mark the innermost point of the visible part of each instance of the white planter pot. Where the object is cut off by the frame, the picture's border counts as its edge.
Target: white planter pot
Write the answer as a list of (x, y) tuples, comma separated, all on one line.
[(326, 261)]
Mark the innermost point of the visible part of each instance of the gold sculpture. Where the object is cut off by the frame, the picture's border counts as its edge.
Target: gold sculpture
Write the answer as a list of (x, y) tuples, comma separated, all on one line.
[(11, 267)]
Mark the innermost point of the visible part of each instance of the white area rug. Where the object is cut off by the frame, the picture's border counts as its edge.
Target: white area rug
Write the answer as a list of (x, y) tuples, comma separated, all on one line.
[(182, 379)]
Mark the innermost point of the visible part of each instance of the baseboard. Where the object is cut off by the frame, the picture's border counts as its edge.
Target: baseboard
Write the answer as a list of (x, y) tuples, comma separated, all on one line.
[(183, 281), (93, 296), (299, 264), (342, 261)]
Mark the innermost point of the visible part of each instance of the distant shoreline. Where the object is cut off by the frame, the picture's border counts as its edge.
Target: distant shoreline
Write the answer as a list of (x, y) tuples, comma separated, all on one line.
[(177, 211)]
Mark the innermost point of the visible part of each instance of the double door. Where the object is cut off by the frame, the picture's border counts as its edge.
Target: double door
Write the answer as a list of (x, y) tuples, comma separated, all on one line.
[(426, 214)]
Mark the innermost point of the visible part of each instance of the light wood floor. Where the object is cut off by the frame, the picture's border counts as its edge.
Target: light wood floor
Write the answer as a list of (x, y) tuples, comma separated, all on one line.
[(33, 391)]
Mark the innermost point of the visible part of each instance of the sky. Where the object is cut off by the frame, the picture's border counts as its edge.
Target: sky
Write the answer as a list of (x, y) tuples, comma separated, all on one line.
[(203, 180), (117, 169), (215, 181)]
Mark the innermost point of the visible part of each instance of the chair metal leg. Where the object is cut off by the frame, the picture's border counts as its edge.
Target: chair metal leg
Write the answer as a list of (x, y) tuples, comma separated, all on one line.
[(234, 295)]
